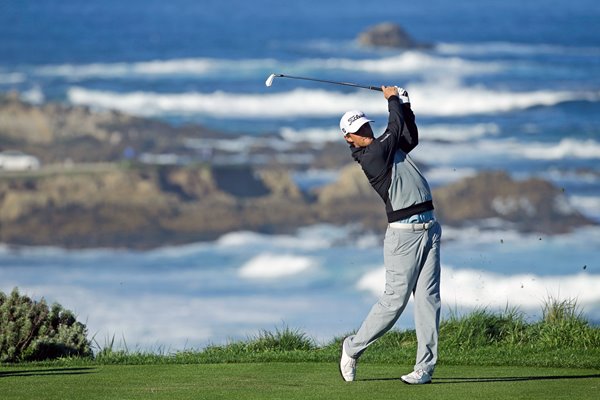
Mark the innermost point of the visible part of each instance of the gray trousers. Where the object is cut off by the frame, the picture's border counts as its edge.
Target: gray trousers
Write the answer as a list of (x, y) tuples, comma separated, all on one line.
[(412, 265)]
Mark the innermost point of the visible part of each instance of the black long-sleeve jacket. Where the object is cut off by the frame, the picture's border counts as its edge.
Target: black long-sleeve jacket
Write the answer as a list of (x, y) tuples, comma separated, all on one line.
[(390, 170)]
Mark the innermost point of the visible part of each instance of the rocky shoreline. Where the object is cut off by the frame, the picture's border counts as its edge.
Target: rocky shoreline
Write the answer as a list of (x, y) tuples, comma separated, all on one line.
[(95, 190)]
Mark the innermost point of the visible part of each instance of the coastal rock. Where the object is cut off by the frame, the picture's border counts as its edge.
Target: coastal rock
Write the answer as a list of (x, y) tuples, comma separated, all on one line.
[(351, 200), (531, 205), (95, 201), (143, 206), (350, 186), (388, 34), (62, 134), (56, 133)]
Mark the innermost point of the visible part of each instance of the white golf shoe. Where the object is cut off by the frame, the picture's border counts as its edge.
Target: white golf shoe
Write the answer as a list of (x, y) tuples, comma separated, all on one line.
[(347, 365), (418, 377)]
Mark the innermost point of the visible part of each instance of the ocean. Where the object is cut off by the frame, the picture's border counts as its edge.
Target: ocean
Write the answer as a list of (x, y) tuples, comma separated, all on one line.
[(509, 85)]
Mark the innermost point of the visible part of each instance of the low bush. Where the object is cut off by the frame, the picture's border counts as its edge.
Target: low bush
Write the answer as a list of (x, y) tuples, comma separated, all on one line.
[(31, 330)]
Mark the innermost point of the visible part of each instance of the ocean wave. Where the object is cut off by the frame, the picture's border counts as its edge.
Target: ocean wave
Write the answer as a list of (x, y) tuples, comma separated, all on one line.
[(477, 288), (458, 132), (440, 132), (176, 67), (311, 135), (454, 153), (274, 266), (508, 48), (566, 148), (407, 62), (428, 99)]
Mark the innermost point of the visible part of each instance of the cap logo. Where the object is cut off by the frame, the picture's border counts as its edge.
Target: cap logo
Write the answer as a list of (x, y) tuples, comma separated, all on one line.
[(354, 118)]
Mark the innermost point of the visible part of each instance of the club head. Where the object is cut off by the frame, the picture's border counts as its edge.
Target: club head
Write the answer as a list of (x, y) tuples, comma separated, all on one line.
[(269, 80)]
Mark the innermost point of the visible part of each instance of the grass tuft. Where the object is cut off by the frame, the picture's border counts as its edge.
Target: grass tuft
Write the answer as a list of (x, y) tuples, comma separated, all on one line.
[(481, 327), (562, 338)]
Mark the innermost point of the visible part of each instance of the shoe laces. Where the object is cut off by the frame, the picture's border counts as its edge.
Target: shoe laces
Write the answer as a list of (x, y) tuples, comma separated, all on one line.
[(419, 373)]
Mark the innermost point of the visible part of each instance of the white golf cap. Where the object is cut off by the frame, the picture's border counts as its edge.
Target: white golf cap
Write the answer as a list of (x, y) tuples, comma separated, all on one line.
[(352, 121)]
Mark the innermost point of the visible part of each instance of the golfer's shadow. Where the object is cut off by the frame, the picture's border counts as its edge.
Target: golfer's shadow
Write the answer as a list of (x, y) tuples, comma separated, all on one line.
[(442, 381), (47, 372)]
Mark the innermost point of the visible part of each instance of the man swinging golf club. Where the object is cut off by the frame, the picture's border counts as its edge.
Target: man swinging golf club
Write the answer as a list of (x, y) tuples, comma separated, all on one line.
[(412, 240)]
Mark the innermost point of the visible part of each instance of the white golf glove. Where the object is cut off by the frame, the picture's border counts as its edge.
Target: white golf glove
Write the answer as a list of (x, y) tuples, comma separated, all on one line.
[(403, 95)]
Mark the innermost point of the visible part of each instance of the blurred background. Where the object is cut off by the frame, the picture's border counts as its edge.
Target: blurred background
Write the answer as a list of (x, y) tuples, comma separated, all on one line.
[(151, 183)]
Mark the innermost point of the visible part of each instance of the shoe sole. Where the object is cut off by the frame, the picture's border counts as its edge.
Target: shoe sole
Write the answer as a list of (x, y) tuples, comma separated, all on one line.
[(410, 383)]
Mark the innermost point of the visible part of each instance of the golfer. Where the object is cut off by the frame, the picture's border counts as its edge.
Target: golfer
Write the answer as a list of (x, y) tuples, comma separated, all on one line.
[(411, 246)]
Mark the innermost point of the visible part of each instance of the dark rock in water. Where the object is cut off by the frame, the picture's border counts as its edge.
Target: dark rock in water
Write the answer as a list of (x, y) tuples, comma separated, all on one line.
[(388, 34), (532, 205)]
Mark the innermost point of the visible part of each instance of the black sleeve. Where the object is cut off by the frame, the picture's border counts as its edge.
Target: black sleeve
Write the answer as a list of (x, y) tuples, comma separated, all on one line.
[(401, 132)]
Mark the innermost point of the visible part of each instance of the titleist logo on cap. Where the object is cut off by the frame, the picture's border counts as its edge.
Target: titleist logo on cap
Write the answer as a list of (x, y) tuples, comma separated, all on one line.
[(354, 118)]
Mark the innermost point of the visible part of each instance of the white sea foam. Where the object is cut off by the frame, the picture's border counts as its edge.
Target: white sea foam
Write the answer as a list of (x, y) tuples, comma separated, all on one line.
[(566, 148), (587, 205), (299, 102), (485, 149), (458, 132), (450, 97), (12, 78), (307, 238), (512, 49), (427, 99), (35, 95), (412, 62), (408, 62), (153, 68), (275, 266), (477, 288), (315, 136), (440, 132)]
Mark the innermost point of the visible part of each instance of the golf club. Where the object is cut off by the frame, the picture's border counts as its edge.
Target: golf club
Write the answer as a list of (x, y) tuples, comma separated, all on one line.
[(271, 77)]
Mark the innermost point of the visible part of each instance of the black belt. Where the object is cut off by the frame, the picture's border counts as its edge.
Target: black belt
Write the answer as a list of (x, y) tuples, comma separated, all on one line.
[(404, 213)]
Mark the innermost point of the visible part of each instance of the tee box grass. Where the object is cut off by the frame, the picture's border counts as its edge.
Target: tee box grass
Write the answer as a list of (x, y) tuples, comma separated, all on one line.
[(298, 380)]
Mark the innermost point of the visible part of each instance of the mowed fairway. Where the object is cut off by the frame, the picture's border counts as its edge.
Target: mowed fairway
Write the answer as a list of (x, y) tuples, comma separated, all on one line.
[(291, 381)]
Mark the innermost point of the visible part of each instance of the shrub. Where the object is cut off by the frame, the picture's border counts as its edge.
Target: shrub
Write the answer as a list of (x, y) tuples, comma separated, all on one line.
[(32, 331)]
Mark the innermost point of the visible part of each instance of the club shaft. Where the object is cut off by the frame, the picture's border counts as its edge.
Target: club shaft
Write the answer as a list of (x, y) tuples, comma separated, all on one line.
[(332, 82)]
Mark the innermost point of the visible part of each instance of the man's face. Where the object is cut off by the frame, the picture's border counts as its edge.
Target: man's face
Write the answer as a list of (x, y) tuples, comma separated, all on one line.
[(362, 138)]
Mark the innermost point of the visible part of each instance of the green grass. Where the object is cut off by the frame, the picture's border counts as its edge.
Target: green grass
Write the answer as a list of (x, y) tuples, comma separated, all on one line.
[(482, 355), (292, 381)]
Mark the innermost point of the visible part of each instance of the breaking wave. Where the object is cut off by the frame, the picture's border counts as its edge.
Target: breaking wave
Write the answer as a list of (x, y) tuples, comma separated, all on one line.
[(507, 48), (454, 153), (408, 62), (428, 99)]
